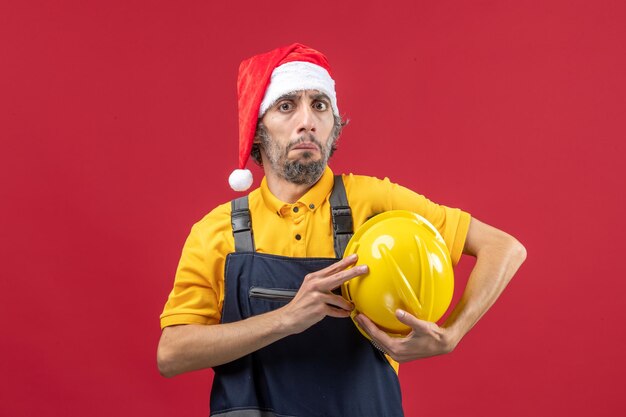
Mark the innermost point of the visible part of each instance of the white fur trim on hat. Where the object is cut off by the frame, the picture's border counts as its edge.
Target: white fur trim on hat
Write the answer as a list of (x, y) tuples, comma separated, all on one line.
[(298, 76), (240, 179)]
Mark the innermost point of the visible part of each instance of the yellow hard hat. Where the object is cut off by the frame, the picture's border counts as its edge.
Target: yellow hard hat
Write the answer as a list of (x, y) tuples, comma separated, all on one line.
[(409, 269)]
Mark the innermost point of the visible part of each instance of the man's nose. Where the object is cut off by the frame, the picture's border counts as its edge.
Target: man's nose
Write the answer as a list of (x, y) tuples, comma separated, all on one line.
[(306, 119)]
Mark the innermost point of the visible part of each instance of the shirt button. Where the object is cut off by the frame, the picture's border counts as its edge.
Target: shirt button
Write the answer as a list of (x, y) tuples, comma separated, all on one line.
[(311, 206), (298, 237), (295, 209)]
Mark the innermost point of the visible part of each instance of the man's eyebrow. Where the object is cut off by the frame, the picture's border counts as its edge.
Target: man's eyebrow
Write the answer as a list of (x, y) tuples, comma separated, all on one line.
[(288, 96), (321, 96), (296, 95)]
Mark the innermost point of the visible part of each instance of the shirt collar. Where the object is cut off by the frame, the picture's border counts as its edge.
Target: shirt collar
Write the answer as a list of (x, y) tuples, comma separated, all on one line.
[(311, 200)]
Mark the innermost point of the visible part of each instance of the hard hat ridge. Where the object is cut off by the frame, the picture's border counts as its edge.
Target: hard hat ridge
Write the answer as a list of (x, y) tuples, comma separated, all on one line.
[(409, 269)]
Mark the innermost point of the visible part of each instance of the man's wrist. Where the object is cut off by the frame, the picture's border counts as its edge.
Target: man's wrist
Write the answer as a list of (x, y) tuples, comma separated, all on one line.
[(452, 337), (283, 323)]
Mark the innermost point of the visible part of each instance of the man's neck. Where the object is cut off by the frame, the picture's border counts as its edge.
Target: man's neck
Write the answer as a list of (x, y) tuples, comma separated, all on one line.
[(284, 190)]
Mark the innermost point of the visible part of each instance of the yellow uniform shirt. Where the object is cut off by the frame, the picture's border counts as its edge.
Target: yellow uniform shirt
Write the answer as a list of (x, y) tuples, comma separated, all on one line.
[(302, 229)]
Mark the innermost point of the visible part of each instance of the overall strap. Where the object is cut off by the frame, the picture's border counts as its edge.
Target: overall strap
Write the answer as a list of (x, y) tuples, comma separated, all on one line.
[(341, 216), (340, 212), (242, 225)]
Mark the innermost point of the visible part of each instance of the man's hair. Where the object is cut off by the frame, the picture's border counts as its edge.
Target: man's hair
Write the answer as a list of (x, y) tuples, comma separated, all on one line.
[(261, 131)]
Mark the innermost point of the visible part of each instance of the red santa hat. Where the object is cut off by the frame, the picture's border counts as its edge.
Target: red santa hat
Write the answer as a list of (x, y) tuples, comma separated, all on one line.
[(265, 78)]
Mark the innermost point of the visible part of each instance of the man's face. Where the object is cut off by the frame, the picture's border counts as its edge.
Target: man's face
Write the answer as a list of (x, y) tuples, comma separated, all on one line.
[(296, 139)]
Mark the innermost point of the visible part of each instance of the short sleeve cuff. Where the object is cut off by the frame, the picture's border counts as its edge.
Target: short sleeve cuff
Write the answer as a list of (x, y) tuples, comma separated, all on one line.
[(460, 236), (177, 319)]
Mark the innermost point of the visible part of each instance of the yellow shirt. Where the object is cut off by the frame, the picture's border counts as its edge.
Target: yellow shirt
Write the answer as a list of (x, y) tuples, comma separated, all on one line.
[(302, 229)]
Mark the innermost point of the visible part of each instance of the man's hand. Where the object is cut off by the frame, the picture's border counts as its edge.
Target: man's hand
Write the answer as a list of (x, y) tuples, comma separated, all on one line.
[(498, 256), (190, 347), (314, 299), (426, 339)]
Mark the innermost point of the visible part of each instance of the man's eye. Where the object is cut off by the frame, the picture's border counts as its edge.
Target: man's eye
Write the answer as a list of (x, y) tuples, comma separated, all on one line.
[(320, 105), (284, 106)]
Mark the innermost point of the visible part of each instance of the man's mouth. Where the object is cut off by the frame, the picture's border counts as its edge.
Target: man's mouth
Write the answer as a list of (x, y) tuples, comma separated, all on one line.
[(306, 146)]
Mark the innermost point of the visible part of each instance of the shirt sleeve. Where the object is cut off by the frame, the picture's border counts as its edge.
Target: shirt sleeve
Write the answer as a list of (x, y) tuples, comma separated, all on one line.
[(369, 196), (198, 292)]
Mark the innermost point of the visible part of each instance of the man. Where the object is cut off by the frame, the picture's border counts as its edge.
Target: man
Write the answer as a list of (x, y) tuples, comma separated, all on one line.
[(253, 296)]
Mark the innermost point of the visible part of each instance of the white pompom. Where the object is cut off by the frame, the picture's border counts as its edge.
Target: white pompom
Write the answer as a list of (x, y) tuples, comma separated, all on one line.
[(240, 179)]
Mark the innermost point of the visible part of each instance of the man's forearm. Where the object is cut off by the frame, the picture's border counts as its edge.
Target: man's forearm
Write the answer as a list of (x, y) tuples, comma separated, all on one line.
[(192, 347), (496, 263), (499, 255)]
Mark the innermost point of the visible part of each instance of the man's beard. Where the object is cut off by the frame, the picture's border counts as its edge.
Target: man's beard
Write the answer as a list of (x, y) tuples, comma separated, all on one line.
[(303, 170)]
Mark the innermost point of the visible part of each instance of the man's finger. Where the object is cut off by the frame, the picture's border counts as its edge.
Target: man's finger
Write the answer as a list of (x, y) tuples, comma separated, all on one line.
[(339, 278), (337, 312), (419, 326), (339, 265), (337, 301)]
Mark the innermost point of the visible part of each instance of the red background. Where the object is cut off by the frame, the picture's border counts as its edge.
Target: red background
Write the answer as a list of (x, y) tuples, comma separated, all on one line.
[(118, 125)]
